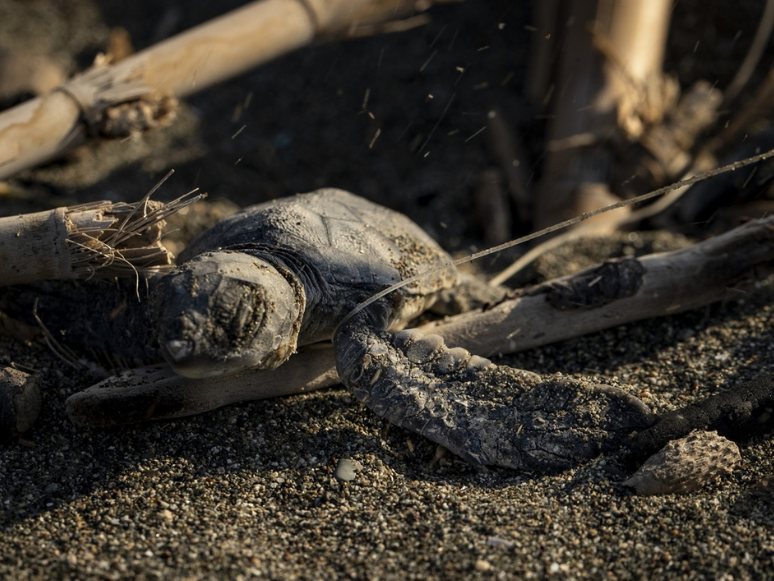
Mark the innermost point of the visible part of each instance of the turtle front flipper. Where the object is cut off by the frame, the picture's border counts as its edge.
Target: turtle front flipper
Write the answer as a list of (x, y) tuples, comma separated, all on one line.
[(485, 413)]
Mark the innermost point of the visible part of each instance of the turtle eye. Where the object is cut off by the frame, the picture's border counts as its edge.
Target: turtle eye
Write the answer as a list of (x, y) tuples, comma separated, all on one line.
[(179, 349), (242, 317), (223, 312), (237, 311)]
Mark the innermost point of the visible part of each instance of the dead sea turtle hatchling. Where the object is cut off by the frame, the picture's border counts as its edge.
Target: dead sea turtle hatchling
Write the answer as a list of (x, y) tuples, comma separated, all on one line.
[(284, 274)]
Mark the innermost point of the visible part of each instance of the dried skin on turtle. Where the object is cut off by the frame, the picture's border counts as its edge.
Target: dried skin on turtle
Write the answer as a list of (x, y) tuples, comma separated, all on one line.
[(284, 274), (295, 266)]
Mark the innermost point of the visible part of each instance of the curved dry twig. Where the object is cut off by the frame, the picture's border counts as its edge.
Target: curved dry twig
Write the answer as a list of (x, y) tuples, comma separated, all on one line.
[(761, 39)]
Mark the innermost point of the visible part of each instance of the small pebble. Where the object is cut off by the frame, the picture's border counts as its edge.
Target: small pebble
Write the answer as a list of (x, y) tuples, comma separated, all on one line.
[(483, 566), (498, 542), (347, 469)]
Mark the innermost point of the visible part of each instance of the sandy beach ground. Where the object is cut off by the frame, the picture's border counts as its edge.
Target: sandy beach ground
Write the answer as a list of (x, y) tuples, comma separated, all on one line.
[(249, 490)]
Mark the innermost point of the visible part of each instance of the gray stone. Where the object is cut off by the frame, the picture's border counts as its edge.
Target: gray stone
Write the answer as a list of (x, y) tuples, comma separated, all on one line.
[(347, 469)]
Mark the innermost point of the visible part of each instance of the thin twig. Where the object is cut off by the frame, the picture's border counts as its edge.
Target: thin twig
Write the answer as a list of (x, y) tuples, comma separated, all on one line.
[(762, 35), (61, 351), (437, 123)]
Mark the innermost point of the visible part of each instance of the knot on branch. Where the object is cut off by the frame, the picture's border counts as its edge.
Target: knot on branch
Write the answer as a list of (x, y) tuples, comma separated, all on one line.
[(118, 105), (598, 286), (135, 117)]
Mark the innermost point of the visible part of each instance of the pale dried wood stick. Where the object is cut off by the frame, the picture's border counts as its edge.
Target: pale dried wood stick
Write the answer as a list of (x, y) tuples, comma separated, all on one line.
[(139, 91), (616, 292), (668, 194), (157, 392), (609, 84), (98, 239)]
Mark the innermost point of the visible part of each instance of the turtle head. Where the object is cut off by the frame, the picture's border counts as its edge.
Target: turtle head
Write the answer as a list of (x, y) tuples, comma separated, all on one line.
[(223, 312)]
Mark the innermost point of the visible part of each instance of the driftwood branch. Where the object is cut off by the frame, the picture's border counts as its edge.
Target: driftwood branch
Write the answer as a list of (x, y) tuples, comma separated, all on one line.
[(101, 239), (139, 91), (159, 393), (616, 292), (741, 413)]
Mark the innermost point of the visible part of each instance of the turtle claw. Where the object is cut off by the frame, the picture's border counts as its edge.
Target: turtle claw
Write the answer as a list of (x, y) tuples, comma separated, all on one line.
[(485, 413)]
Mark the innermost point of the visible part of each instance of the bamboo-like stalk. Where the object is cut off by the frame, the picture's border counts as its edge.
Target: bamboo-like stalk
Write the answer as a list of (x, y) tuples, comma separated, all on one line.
[(98, 239), (609, 86), (42, 128)]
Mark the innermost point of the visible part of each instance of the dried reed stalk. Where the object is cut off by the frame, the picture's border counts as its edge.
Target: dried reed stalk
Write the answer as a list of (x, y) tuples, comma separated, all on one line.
[(98, 239), (608, 87), (139, 92)]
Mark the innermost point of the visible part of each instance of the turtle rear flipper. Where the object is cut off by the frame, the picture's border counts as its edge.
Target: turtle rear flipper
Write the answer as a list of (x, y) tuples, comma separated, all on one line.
[(485, 413)]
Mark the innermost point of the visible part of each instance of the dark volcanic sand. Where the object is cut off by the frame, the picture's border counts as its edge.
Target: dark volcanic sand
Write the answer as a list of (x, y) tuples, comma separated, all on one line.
[(249, 490)]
